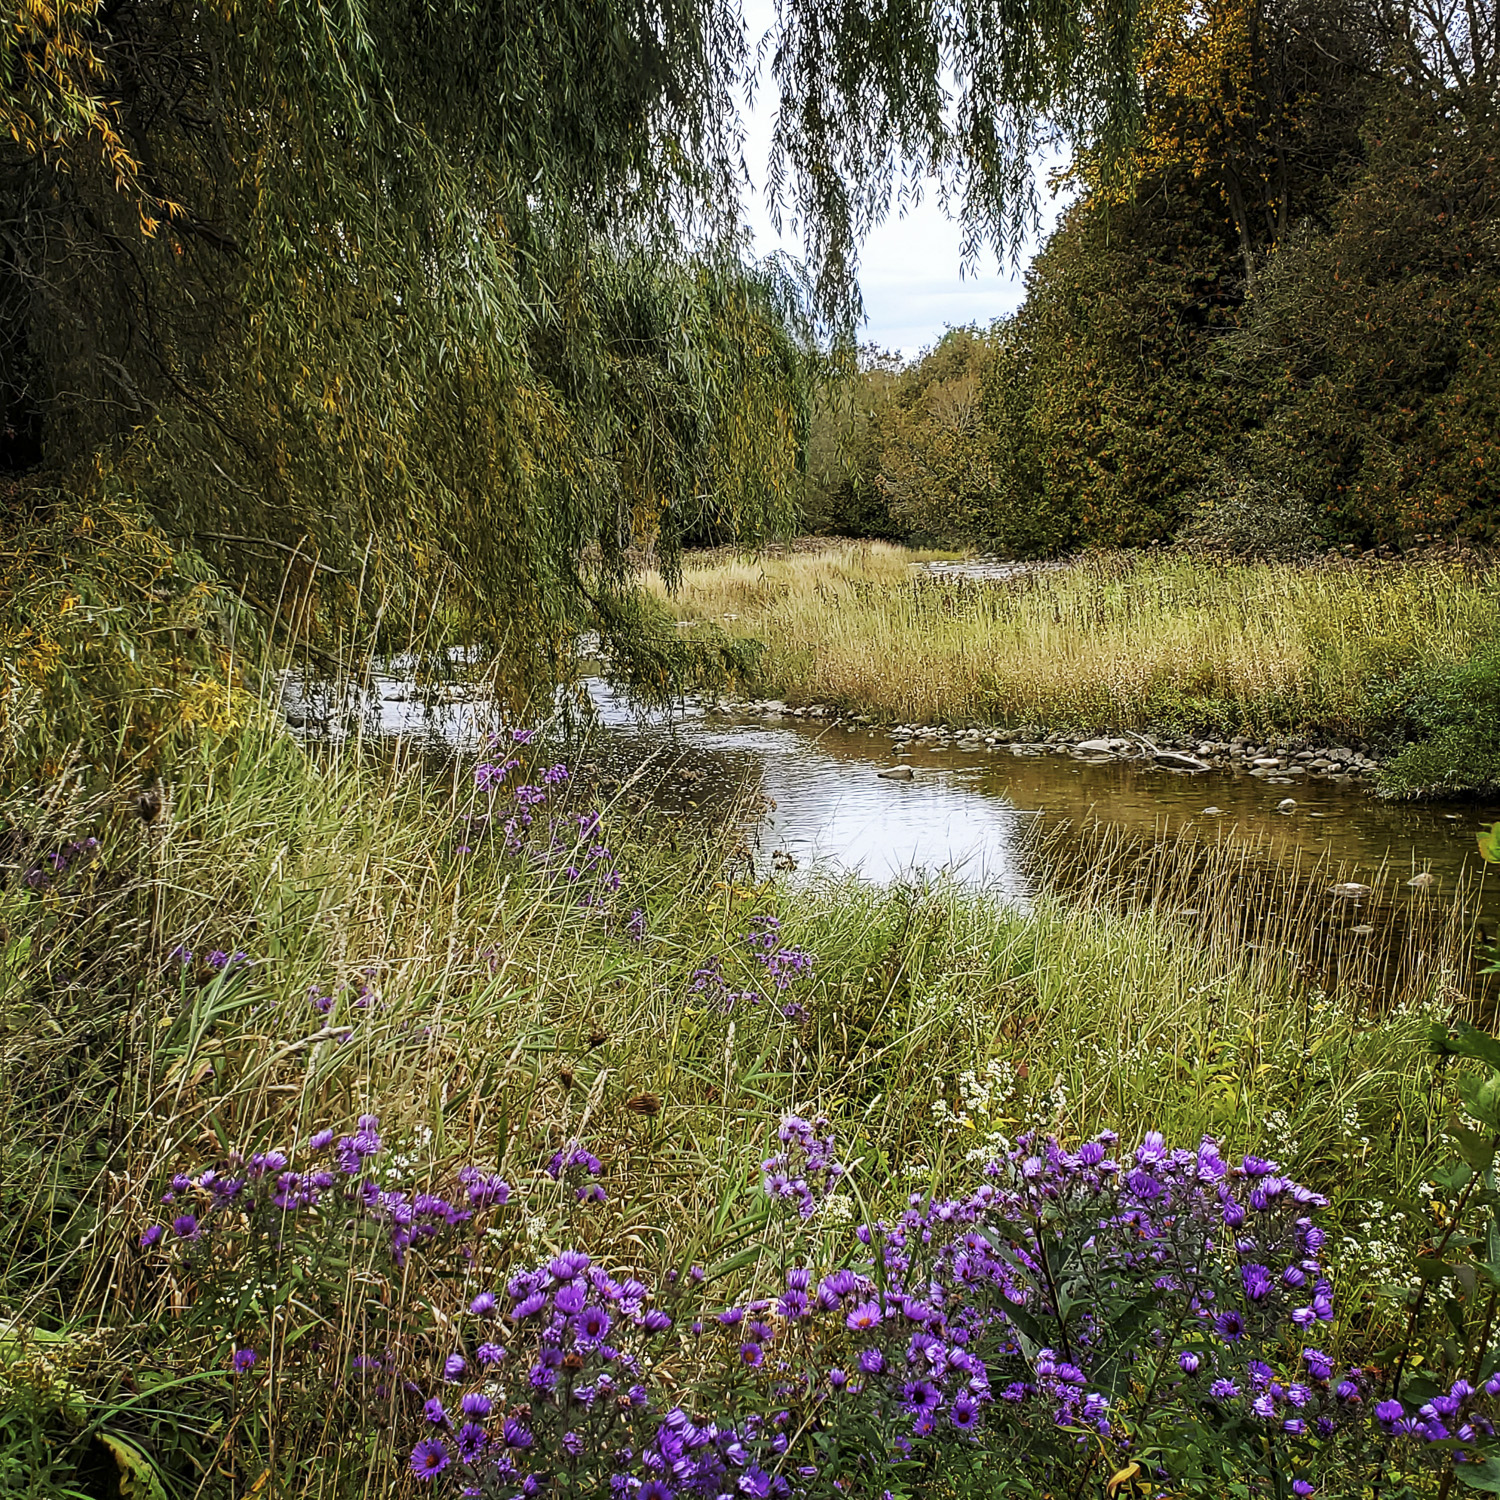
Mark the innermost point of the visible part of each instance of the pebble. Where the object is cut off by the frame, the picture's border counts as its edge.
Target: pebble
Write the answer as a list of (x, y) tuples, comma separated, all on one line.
[(897, 773), (1286, 805)]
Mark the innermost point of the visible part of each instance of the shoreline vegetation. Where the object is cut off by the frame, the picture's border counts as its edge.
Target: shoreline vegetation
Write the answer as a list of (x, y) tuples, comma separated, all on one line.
[(1387, 663), (298, 951)]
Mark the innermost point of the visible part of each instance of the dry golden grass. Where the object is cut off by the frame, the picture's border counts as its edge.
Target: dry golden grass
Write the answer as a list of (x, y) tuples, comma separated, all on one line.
[(1106, 643)]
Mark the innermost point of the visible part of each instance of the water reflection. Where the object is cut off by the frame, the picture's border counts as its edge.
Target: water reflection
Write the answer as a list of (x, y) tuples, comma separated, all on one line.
[(964, 811)]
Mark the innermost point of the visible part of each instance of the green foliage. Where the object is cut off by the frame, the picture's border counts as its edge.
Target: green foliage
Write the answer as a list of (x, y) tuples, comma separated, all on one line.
[(1451, 717), (442, 310), (118, 649), (1375, 339), (843, 496), (1105, 398)]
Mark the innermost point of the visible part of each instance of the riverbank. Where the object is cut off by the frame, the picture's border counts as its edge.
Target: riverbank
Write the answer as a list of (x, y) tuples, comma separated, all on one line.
[(498, 966), (1256, 661)]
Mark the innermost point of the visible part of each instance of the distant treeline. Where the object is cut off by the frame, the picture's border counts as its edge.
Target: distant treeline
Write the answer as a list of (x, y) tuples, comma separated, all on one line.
[(1272, 328)]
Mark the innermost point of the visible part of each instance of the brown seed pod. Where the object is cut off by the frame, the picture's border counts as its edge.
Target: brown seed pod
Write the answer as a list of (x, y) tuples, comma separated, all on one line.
[(644, 1104), (148, 805), (597, 1038), (565, 1077)]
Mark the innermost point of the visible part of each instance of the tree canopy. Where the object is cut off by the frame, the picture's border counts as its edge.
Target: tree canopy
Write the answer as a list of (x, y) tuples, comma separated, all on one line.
[(1267, 324), (445, 306)]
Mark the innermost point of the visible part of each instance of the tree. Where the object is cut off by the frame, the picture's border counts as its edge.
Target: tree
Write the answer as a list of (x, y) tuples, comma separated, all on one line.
[(443, 305)]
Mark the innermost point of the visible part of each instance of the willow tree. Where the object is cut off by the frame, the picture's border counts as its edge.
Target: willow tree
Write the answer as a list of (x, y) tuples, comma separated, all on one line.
[(436, 307)]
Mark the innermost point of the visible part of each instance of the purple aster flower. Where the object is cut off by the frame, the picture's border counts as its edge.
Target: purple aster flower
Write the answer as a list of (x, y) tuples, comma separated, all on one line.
[(489, 1354), (752, 1355), (591, 1325), (653, 1489), (429, 1458), (1388, 1413), (243, 1361), (471, 1439), (865, 1315), (871, 1361), (1224, 1390), (516, 1434), (150, 1236), (483, 1303), (1230, 1326), (964, 1413), (185, 1227), (454, 1366), (433, 1411), (1302, 1487)]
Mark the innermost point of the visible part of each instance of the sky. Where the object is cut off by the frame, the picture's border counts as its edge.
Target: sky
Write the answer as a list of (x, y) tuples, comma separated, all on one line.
[(910, 266)]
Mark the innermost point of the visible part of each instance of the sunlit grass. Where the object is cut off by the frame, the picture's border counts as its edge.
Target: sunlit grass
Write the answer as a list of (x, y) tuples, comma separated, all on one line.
[(1106, 643)]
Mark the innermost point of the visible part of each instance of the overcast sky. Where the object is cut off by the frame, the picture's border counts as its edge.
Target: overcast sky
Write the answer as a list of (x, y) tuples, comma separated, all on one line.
[(910, 267)]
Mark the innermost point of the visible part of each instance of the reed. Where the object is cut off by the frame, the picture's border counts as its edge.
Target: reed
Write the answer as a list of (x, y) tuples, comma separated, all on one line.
[(1104, 643), (485, 1014)]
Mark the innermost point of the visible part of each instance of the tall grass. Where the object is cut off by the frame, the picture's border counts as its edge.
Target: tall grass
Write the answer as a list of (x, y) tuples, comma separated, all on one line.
[(1104, 643), (503, 1019)]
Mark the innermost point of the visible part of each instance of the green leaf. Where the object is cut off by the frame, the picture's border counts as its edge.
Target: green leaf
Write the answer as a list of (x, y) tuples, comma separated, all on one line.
[(138, 1477), (1489, 843), (1462, 1040), (1484, 1477), (1476, 1149), (1482, 1097)]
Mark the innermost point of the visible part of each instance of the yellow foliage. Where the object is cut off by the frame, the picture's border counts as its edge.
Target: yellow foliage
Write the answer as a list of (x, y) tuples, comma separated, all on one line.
[(52, 99)]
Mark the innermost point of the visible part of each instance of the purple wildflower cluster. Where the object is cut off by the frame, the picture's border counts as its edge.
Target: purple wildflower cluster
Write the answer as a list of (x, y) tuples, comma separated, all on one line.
[(578, 1167), (709, 981), (215, 961), (572, 845), (783, 966), (804, 1171), (582, 1418), (267, 1191), (1454, 1414), (1077, 1311), (51, 869)]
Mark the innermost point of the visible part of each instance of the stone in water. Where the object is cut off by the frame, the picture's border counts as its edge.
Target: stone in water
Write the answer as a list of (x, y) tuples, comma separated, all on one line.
[(897, 773)]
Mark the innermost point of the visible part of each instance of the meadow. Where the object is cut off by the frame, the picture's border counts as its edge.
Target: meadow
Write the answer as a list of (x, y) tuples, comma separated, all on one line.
[(317, 1062), (1334, 651)]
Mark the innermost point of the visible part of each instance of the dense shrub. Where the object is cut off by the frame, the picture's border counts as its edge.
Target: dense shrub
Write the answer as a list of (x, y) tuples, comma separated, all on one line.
[(1451, 718)]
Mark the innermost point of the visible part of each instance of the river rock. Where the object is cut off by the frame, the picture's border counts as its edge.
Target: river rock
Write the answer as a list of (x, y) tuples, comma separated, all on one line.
[(1102, 747), (1213, 812), (897, 773), (1287, 805), (1363, 930), (970, 746), (1348, 890)]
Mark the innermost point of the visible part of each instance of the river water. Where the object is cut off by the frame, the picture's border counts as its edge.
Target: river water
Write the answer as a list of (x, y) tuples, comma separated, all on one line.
[(818, 801)]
